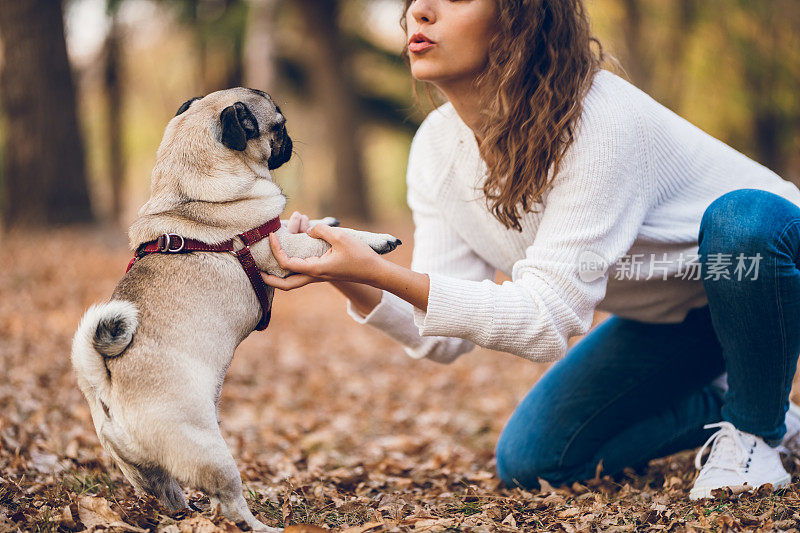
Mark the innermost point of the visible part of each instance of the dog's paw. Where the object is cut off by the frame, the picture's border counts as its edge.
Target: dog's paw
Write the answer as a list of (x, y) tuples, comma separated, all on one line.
[(383, 243)]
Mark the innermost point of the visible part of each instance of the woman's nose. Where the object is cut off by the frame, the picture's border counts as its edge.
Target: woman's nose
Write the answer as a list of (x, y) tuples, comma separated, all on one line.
[(422, 11)]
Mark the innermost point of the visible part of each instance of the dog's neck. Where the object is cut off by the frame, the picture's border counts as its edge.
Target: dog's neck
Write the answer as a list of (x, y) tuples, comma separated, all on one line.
[(210, 222)]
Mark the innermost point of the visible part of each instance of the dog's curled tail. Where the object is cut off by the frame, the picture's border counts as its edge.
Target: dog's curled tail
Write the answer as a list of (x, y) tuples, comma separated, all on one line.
[(105, 331)]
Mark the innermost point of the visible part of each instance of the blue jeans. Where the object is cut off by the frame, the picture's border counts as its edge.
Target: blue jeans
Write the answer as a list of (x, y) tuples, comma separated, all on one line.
[(632, 391)]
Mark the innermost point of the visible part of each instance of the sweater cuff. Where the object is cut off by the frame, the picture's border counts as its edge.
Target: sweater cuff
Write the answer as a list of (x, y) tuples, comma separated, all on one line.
[(391, 316), (385, 313), (456, 307)]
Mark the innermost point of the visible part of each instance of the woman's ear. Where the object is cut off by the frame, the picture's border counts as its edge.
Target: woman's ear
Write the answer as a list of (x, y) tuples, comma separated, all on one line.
[(238, 125)]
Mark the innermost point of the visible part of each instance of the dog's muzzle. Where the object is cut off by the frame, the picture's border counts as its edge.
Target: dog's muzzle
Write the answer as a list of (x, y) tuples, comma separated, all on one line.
[(281, 149)]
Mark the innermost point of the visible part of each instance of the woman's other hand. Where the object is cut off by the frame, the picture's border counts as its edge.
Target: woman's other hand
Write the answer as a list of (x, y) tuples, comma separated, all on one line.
[(348, 259)]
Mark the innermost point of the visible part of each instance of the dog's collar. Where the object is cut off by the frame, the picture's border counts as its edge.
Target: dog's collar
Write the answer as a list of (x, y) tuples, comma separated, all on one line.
[(172, 243)]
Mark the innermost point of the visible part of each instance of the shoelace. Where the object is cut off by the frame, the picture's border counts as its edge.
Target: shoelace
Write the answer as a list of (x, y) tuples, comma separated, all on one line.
[(727, 452)]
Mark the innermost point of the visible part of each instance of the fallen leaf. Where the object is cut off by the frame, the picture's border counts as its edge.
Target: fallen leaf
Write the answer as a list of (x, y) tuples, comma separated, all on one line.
[(305, 528), (364, 528), (95, 512)]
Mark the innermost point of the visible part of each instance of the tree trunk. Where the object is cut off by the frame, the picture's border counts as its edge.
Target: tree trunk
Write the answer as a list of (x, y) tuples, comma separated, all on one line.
[(687, 16), (113, 94), (638, 57), (44, 179), (235, 70), (259, 46), (332, 88), (767, 77)]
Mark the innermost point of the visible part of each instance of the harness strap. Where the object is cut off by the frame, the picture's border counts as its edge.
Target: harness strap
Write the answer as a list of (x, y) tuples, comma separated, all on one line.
[(263, 291), (172, 243)]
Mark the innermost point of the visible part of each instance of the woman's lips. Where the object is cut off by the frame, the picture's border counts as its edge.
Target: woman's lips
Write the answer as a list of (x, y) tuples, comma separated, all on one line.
[(420, 46), (419, 42)]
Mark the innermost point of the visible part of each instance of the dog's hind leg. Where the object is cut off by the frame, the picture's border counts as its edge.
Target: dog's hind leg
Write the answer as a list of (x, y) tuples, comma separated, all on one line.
[(157, 482), (151, 479), (164, 487), (200, 458)]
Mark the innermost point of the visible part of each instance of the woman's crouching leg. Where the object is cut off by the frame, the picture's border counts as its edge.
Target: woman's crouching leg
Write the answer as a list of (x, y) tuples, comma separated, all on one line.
[(626, 393)]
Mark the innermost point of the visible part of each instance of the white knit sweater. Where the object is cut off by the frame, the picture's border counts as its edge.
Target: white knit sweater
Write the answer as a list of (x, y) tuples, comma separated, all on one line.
[(636, 180)]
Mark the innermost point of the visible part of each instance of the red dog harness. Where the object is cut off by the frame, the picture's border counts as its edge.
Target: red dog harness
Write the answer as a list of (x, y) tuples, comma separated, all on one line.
[(172, 243)]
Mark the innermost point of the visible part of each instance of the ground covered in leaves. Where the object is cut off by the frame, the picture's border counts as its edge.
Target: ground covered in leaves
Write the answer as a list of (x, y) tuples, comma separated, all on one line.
[(330, 422)]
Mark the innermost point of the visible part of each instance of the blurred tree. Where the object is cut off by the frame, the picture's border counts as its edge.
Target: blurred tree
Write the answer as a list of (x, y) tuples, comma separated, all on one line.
[(637, 58), (656, 37), (114, 87), (766, 38), (332, 87), (757, 42), (260, 45), (44, 180), (219, 29)]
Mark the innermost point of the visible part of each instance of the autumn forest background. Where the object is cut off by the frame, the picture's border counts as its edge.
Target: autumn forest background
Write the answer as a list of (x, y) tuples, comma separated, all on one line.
[(330, 422)]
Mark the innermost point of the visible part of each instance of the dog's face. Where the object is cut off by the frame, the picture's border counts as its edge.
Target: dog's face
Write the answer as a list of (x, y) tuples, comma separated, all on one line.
[(248, 114), (216, 148)]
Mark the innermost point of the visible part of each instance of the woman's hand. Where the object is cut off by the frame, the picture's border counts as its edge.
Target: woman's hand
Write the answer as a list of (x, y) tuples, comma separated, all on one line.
[(347, 260)]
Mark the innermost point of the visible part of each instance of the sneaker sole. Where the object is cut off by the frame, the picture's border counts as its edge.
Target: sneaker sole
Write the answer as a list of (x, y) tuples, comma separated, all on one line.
[(705, 492)]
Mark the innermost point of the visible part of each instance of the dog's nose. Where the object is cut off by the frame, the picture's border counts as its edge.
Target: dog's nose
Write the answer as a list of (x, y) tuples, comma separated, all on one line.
[(281, 149)]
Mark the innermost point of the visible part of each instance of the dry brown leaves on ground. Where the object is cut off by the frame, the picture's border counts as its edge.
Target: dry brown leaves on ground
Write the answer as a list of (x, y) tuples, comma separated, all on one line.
[(330, 422)]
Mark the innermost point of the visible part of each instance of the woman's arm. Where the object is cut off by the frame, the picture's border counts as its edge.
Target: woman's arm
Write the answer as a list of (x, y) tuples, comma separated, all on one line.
[(350, 260), (390, 313), (362, 297), (437, 248), (597, 205), (365, 298), (595, 209)]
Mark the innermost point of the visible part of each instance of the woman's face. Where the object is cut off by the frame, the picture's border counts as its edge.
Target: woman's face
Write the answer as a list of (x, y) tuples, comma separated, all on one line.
[(459, 32)]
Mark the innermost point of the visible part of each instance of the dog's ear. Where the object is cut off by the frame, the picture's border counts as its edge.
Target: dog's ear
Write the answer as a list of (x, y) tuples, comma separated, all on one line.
[(184, 106), (238, 126)]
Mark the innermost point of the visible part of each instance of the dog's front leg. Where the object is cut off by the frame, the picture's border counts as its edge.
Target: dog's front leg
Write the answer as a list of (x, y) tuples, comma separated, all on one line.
[(328, 221), (294, 244), (301, 245)]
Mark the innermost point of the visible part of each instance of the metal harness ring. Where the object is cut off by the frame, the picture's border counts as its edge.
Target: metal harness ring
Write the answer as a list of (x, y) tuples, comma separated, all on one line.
[(165, 247)]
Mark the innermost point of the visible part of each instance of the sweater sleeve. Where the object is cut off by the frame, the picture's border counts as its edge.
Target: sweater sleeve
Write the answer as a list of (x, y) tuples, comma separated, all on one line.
[(593, 212), (437, 248)]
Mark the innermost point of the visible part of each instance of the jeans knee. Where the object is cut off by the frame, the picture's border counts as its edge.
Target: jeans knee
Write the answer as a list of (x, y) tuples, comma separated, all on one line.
[(522, 464), (742, 220), (505, 462)]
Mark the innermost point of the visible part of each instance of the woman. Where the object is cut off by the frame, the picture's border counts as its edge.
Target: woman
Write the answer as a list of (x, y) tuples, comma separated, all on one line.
[(590, 195)]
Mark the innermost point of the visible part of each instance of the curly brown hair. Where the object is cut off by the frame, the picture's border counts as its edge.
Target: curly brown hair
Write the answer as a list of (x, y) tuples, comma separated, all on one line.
[(540, 66)]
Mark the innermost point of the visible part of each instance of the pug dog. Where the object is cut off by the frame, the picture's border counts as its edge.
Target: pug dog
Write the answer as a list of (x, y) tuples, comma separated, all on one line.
[(152, 359)]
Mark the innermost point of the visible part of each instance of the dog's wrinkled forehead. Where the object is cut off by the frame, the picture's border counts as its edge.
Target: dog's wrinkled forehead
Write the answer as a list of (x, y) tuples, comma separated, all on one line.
[(237, 115), (257, 102)]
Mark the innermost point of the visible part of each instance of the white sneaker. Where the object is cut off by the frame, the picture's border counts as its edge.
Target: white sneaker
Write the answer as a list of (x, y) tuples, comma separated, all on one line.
[(791, 440), (738, 460)]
